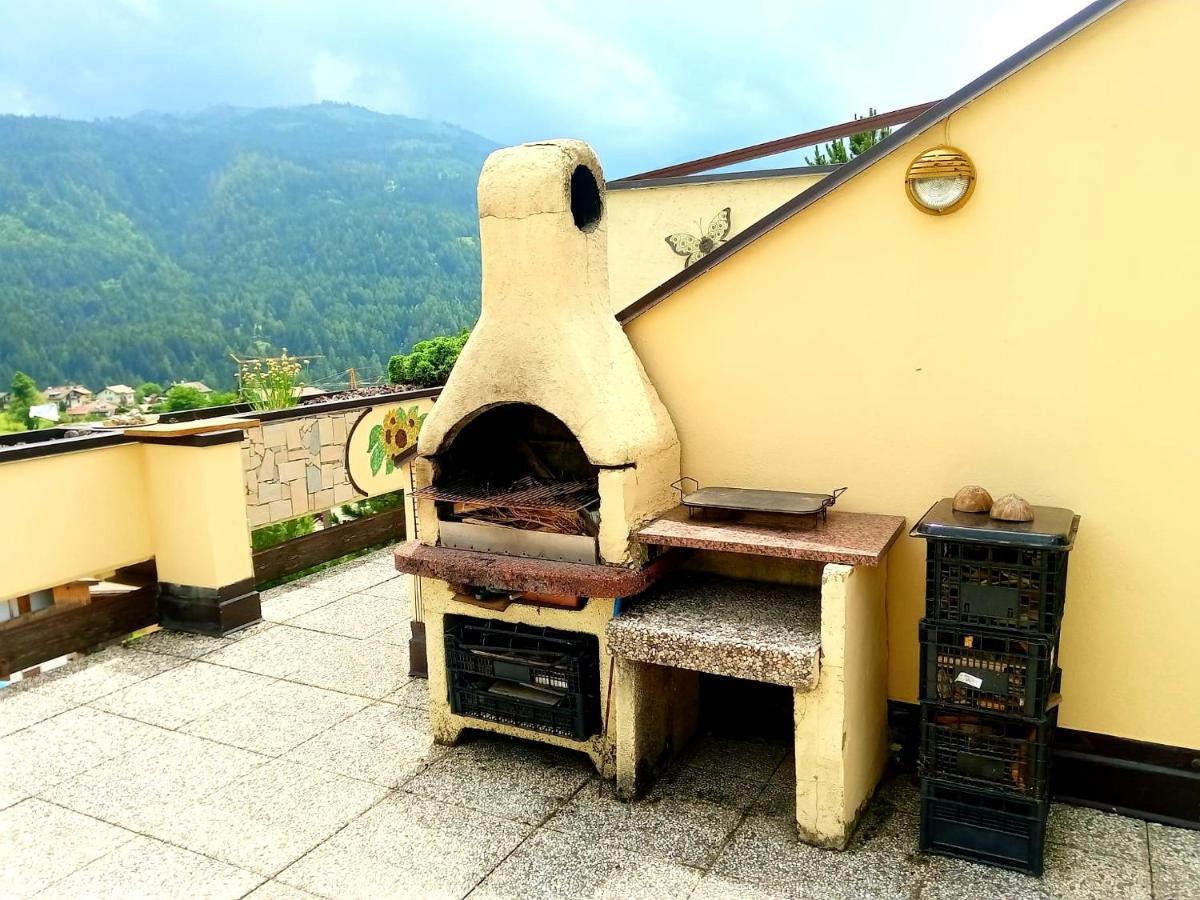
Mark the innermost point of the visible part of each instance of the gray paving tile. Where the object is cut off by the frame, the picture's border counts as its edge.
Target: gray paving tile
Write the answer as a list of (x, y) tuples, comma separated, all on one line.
[(367, 668), (399, 634), (10, 795), (44, 842), (148, 785), (892, 823), (277, 890), (766, 856), (954, 879), (177, 643), (144, 867), (276, 651), (23, 706), (1076, 875), (399, 587), (350, 578), (755, 759), (551, 865), (517, 780), (721, 787), (414, 694), (56, 749), (384, 744), (181, 695), (357, 615), (276, 718), (296, 601), (690, 832), (270, 817), (1097, 832), (407, 846), (1175, 862), (103, 673)]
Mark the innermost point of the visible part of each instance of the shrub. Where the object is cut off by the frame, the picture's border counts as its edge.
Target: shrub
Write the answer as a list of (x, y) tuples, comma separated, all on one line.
[(429, 362)]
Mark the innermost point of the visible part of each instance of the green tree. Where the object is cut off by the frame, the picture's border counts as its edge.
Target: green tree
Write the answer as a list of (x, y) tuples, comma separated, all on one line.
[(147, 389), (23, 393), (429, 362), (835, 152), (180, 398)]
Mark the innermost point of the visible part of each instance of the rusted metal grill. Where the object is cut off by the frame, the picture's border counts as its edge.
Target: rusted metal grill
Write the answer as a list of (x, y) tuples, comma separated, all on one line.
[(527, 494)]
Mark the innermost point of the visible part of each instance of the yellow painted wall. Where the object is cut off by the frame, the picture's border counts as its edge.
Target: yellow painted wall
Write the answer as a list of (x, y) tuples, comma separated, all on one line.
[(71, 515), (197, 509), (1040, 340), (641, 218)]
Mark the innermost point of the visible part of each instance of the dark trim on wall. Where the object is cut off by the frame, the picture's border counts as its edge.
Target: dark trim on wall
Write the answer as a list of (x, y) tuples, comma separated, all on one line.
[(313, 409), (55, 445), (625, 184), (1155, 782), (212, 611), (204, 412), (207, 439), (897, 139)]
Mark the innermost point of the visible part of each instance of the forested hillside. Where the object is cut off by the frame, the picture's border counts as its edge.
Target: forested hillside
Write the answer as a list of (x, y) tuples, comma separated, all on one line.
[(150, 248)]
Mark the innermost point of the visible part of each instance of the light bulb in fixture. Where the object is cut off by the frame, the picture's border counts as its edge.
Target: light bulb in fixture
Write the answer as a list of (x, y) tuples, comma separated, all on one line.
[(940, 180)]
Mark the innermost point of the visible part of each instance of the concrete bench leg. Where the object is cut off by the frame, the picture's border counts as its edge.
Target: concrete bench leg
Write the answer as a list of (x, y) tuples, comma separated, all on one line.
[(655, 708), (841, 726)]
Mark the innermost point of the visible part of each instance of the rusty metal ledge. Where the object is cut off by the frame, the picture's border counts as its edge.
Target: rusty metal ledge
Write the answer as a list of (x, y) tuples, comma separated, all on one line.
[(514, 573)]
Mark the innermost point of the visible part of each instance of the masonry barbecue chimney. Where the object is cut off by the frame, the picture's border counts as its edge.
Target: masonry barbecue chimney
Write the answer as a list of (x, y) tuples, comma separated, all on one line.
[(548, 358)]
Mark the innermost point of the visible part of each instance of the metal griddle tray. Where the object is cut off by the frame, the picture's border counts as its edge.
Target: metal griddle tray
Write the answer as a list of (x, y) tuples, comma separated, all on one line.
[(743, 500)]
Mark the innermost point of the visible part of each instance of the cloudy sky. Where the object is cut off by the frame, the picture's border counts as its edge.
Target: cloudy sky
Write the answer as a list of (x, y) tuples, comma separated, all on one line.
[(647, 83)]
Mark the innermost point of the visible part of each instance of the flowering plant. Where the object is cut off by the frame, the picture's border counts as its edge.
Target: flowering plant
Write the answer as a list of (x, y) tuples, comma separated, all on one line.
[(270, 383)]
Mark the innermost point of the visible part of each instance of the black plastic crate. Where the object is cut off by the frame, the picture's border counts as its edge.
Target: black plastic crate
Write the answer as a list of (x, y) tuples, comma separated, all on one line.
[(995, 586), (986, 751), (563, 666), (987, 670), (983, 826)]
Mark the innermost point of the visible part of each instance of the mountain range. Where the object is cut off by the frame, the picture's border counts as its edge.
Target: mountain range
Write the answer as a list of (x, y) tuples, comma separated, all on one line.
[(151, 248)]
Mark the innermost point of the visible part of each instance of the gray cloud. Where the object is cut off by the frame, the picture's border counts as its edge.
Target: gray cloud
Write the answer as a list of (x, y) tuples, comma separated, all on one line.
[(646, 83)]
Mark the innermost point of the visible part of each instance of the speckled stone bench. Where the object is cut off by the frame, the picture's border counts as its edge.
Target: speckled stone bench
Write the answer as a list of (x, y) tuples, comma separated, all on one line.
[(829, 646), (744, 629)]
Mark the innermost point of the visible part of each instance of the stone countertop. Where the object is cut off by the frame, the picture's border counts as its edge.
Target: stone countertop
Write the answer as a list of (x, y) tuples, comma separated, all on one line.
[(516, 573), (744, 629), (852, 539)]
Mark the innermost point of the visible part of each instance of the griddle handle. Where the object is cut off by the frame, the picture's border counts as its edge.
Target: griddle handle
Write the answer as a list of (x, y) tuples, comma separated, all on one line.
[(833, 497), (679, 486)]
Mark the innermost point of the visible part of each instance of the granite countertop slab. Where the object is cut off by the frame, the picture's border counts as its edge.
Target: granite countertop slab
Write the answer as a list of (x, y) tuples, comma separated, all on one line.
[(744, 629), (852, 539), (516, 573)]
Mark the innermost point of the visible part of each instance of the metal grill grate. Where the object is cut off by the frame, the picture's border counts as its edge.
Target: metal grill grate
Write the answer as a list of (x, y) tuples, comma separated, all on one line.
[(524, 494)]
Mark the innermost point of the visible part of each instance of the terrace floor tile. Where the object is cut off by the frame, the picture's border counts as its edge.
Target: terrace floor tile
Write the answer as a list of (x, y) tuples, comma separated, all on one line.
[(144, 867), (512, 779), (685, 831), (25, 706), (357, 615), (366, 668), (1097, 832), (103, 673), (277, 651), (62, 747), (147, 786), (755, 759), (1175, 862), (276, 718), (397, 588), (290, 601), (414, 694), (182, 694), (44, 842), (408, 846), (181, 644), (271, 816), (551, 865), (383, 744), (277, 890)]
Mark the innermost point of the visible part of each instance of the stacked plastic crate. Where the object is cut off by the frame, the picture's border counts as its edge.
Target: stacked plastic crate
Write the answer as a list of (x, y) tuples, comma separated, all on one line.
[(994, 599)]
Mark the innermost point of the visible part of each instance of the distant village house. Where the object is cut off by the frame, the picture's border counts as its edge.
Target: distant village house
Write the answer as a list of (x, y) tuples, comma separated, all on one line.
[(118, 394)]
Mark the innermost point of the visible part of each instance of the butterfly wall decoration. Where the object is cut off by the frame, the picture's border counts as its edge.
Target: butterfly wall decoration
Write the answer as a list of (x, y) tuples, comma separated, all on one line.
[(693, 247)]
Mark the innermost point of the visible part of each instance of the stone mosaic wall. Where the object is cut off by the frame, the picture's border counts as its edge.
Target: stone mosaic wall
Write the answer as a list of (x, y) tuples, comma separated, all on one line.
[(297, 466)]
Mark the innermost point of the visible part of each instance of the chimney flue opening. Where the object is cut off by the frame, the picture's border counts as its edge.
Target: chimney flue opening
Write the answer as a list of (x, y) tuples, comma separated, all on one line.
[(585, 198)]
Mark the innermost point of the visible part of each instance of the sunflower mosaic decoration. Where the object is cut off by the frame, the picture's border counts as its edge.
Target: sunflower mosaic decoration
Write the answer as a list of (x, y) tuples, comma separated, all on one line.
[(394, 439)]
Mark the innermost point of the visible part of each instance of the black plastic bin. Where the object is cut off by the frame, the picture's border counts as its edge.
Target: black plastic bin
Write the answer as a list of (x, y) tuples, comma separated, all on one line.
[(986, 751), (1004, 830), (485, 658), (986, 671), (995, 586)]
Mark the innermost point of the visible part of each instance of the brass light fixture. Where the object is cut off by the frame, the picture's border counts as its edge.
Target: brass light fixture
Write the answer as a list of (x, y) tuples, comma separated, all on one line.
[(940, 180)]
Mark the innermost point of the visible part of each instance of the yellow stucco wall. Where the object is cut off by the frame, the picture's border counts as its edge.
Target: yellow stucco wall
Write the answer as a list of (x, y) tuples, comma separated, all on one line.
[(641, 218), (72, 515), (1040, 340)]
